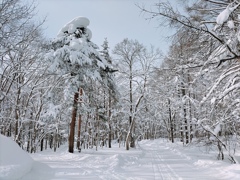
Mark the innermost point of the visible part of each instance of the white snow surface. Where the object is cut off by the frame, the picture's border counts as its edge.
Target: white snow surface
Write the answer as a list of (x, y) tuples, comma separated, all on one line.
[(224, 15), (152, 159), (16, 163), (231, 24), (77, 22)]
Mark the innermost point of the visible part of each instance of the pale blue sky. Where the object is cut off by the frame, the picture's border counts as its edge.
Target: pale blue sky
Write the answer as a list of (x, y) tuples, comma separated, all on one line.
[(114, 19)]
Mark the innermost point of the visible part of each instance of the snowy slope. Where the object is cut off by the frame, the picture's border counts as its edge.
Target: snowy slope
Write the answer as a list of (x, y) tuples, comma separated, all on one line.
[(16, 163)]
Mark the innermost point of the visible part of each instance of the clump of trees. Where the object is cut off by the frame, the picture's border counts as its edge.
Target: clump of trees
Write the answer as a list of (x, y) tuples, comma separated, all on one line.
[(22, 75), (203, 68)]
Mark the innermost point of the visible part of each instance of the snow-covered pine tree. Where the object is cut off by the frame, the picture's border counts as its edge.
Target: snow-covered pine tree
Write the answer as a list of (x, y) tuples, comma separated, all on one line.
[(107, 95), (75, 57)]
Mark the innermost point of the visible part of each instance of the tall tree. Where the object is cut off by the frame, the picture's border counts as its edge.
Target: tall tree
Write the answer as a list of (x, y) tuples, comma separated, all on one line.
[(135, 65), (128, 52), (108, 104), (75, 56)]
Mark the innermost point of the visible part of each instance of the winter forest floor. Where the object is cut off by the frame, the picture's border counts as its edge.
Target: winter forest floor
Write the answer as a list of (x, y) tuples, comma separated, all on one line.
[(152, 159)]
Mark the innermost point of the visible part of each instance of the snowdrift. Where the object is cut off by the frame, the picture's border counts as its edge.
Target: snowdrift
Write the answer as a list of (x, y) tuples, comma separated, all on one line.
[(14, 162), (17, 164)]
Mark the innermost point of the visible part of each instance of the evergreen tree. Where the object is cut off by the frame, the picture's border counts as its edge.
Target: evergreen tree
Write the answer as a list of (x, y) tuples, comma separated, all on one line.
[(74, 56)]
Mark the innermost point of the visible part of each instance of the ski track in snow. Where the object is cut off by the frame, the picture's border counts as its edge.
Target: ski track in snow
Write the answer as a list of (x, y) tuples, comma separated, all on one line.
[(152, 160), (171, 165)]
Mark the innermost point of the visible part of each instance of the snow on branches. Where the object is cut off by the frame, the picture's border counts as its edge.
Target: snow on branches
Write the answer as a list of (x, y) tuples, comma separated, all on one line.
[(75, 55), (224, 15), (76, 24)]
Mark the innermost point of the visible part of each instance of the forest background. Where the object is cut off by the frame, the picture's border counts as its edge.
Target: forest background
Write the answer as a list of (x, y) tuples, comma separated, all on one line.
[(68, 90)]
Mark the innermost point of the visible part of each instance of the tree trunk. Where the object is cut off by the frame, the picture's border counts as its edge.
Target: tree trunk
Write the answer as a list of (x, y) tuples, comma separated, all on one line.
[(17, 117), (79, 133), (33, 140), (55, 141), (109, 122), (171, 122), (46, 142), (79, 124), (130, 142), (129, 138), (110, 137), (41, 149), (29, 136), (73, 122), (185, 129)]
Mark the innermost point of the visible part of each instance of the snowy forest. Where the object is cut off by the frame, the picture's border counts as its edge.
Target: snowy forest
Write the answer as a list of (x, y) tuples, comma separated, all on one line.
[(71, 91)]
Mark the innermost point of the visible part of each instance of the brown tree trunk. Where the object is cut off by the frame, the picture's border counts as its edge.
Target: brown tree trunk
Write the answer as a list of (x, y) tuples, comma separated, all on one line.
[(79, 132), (73, 122)]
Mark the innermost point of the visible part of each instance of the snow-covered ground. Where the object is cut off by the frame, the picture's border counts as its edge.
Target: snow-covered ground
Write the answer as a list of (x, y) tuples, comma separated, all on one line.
[(16, 163), (152, 159)]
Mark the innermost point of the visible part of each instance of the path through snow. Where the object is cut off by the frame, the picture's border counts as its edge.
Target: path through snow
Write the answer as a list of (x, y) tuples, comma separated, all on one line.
[(152, 160)]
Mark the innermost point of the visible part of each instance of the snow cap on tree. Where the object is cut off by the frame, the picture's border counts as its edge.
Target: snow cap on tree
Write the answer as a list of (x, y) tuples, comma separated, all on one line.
[(224, 15), (75, 55), (77, 25), (72, 49)]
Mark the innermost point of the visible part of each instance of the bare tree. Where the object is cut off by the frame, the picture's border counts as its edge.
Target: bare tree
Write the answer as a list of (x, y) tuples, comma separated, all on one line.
[(135, 68), (21, 43)]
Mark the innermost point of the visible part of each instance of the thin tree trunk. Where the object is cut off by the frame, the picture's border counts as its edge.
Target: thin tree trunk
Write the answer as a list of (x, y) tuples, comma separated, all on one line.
[(171, 122), (29, 136), (129, 138), (79, 123), (97, 133), (185, 129), (190, 111), (17, 117), (46, 142), (79, 133), (41, 149), (110, 137), (109, 122)]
